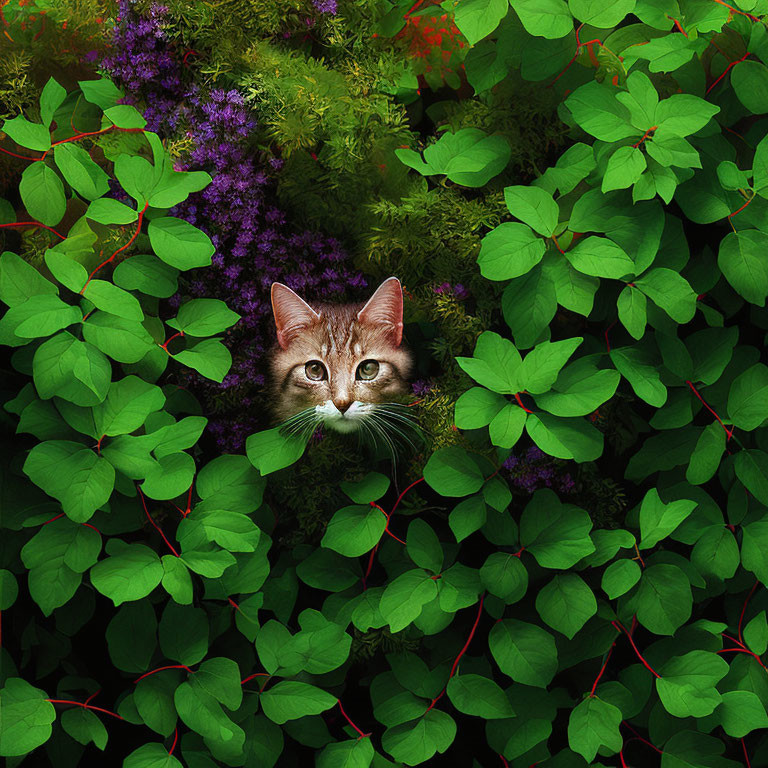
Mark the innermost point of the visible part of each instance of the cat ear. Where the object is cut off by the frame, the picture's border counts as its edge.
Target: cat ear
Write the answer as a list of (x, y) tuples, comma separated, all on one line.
[(385, 308), (292, 314)]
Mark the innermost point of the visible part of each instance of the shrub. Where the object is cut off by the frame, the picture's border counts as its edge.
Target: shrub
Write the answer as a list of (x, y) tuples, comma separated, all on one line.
[(573, 576)]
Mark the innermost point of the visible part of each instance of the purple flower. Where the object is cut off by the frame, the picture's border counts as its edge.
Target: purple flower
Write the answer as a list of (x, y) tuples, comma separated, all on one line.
[(325, 6), (421, 387)]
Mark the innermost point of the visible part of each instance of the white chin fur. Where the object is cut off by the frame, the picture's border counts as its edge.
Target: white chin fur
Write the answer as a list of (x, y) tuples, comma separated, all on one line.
[(346, 422)]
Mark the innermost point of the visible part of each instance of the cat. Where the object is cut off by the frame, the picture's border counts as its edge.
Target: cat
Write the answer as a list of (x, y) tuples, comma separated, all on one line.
[(341, 366)]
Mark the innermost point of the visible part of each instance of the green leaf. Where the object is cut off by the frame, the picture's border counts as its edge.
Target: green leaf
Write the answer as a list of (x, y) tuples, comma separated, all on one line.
[(754, 549), (756, 634), (128, 404), (208, 357), (595, 108), (130, 573), (109, 298), (705, 460), (533, 206), (102, 92), (478, 18), (603, 15), (80, 171), (42, 193), (579, 389), (176, 579), (495, 364), (658, 520), (84, 727), (354, 530), (690, 749), (220, 678), (151, 756), (544, 362), (80, 479), (132, 637), (355, 753), (105, 210), (153, 697), (27, 134), (476, 408), (479, 696), (565, 438), (716, 553), (51, 98), (752, 469), (504, 576), (529, 303), (290, 699), (636, 366), (631, 306), (507, 426), (26, 718), (417, 741), (741, 712), (748, 398), (180, 244), (9, 589), (171, 477), (184, 633), (687, 683), (556, 534), (72, 370), (467, 517), (600, 257), (663, 601), (373, 486), (749, 80), (405, 596), (619, 577), (452, 472), (593, 724), (423, 546), (270, 450), (670, 291), (38, 316), (683, 113), (525, 652), (510, 250), (740, 260), (66, 270), (47, 555), (566, 603), (624, 168), (544, 18), (125, 116), (204, 317), (19, 281)]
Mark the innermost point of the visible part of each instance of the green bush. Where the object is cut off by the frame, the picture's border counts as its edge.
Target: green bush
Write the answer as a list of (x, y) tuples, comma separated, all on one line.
[(572, 577)]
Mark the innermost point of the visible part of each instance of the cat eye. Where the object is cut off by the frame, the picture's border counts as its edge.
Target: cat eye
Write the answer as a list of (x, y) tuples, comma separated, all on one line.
[(315, 370), (367, 370)]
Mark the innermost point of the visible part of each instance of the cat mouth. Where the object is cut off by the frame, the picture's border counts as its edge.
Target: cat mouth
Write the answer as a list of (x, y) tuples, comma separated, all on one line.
[(348, 421)]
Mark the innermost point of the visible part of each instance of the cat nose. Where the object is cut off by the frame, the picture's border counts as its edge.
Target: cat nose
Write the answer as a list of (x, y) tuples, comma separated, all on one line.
[(342, 405)]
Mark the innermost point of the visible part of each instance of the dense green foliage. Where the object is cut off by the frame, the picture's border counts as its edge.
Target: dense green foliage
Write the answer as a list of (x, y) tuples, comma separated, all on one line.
[(572, 572)]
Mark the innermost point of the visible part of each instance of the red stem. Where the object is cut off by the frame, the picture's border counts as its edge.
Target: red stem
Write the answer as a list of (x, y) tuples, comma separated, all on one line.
[(54, 518), (255, 674), (175, 739), (728, 432), (727, 70), (33, 224), (21, 157), (157, 527), (607, 331), (461, 652), (640, 738), (744, 609), (520, 402), (504, 761), (169, 340), (84, 706), (741, 208), (619, 626), (602, 670), (746, 756), (160, 669), (400, 497), (347, 718), (119, 250), (642, 139)]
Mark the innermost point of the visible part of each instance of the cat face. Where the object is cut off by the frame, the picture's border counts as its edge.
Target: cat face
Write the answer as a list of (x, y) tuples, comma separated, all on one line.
[(339, 365)]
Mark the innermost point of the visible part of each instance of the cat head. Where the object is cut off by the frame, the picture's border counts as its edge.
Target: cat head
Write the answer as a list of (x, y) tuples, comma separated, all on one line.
[(343, 365)]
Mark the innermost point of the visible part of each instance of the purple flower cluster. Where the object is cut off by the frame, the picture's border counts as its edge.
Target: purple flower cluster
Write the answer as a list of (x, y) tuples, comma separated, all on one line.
[(458, 291), (141, 60), (535, 470), (255, 245), (325, 6), (421, 387)]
